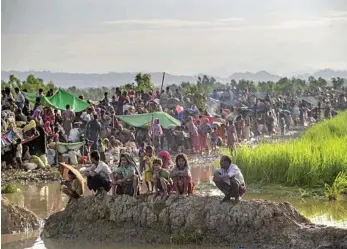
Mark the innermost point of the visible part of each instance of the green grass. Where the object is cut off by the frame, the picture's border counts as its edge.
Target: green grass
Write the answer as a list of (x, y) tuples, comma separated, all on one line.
[(333, 191), (10, 188), (313, 160)]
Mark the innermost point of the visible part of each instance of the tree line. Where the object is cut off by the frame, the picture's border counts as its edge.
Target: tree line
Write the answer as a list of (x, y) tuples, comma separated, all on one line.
[(197, 91)]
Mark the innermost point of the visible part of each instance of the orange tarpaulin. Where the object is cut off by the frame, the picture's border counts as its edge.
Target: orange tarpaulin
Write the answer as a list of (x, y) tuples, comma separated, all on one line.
[(64, 169)]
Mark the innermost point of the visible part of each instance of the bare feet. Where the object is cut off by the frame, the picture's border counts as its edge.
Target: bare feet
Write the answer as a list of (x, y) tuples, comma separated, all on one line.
[(225, 199), (237, 199)]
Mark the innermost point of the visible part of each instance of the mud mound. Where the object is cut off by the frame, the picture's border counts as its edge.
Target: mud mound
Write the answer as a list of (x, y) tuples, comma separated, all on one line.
[(196, 219), (16, 219)]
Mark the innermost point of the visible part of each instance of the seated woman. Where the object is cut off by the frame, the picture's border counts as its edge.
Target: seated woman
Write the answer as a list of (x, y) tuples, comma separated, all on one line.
[(108, 145), (229, 179), (181, 176), (126, 178), (166, 159), (98, 175), (72, 188), (161, 179), (30, 129)]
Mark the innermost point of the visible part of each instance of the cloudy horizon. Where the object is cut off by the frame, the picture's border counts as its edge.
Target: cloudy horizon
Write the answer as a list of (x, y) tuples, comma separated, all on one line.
[(181, 37)]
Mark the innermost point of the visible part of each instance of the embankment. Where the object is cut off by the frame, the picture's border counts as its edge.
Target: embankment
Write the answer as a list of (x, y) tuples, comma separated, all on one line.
[(196, 219), (15, 219)]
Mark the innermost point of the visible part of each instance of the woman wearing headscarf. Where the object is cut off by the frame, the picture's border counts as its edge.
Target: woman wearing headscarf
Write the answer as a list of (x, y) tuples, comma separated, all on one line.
[(204, 130), (126, 177), (49, 117), (232, 135), (47, 128), (156, 132), (108, 145), (68, 119), (166, 159), (193, 133)]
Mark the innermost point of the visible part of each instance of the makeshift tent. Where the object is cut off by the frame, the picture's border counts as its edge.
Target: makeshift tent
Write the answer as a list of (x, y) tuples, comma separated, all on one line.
[(59, 101), (310, 100), (65, 147), (141, 120)]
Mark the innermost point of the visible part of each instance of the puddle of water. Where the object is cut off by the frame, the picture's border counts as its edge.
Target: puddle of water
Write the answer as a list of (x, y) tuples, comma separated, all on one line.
[(46, 199)]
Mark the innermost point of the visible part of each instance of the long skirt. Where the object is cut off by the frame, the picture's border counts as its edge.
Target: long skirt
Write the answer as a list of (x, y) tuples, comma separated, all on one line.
[(195, 143), (203, 143), (98, 182), (126, 188)]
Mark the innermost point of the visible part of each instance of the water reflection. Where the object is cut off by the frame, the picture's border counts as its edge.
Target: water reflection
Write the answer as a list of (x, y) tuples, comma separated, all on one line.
[(45, 199), (42, 199)]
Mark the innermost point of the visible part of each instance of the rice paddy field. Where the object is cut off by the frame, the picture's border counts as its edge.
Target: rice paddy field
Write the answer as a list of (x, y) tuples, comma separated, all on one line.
[(313, 160)]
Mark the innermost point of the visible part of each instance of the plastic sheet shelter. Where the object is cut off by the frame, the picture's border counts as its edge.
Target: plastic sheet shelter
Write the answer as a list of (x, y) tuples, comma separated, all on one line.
[(59, 101), (142, 120)]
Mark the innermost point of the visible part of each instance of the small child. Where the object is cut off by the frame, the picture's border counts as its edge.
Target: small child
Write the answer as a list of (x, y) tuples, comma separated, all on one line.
[(214, 138), (19, 153), (142, 154), (101, 149), (282, 125), (148, 158), (179, 139), (161, 179), (181, 176)]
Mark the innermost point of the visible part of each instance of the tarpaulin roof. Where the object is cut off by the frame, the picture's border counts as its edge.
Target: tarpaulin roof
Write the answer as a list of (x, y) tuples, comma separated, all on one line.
[(59, 101), (310, 100), (141, 120)]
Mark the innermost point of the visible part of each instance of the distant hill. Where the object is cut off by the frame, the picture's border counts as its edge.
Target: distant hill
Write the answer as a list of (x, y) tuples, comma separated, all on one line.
[(259, 76), (266, 76), (113, 79), (329, 73), (81, 80)]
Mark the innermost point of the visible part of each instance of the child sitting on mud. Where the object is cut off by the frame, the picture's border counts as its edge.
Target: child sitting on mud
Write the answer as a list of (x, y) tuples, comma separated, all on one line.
[(181, 176), (161, 179), (72, 187)]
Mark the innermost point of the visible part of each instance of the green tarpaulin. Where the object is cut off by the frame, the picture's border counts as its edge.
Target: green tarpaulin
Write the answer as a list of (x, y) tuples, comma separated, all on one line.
[(141, 120), (59, 101)]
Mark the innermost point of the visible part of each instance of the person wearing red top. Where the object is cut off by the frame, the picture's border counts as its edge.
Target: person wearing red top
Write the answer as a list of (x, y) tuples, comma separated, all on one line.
[(131, 93)]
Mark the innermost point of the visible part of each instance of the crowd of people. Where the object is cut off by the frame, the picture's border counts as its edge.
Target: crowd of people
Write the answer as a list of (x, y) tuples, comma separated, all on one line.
[(100, 127), (162, 177)]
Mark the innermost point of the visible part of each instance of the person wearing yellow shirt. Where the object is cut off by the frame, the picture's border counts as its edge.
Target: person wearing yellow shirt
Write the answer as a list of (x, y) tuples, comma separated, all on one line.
[(148, 159)]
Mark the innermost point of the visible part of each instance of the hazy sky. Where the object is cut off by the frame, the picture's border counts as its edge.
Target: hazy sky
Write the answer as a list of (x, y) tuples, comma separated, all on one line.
[(177, 36)]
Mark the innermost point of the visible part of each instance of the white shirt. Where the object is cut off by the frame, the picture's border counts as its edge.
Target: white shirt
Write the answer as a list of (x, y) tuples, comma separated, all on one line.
[(85, 116), (19, 150), (104, 170), (20, 98), (233, 170)]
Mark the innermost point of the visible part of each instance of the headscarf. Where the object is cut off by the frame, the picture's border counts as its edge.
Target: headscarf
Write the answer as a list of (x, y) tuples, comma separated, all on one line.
[(129, 158), (47, 127), (107, 144), (193, 130), (131, 161), (31, 125), (168, 162)]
